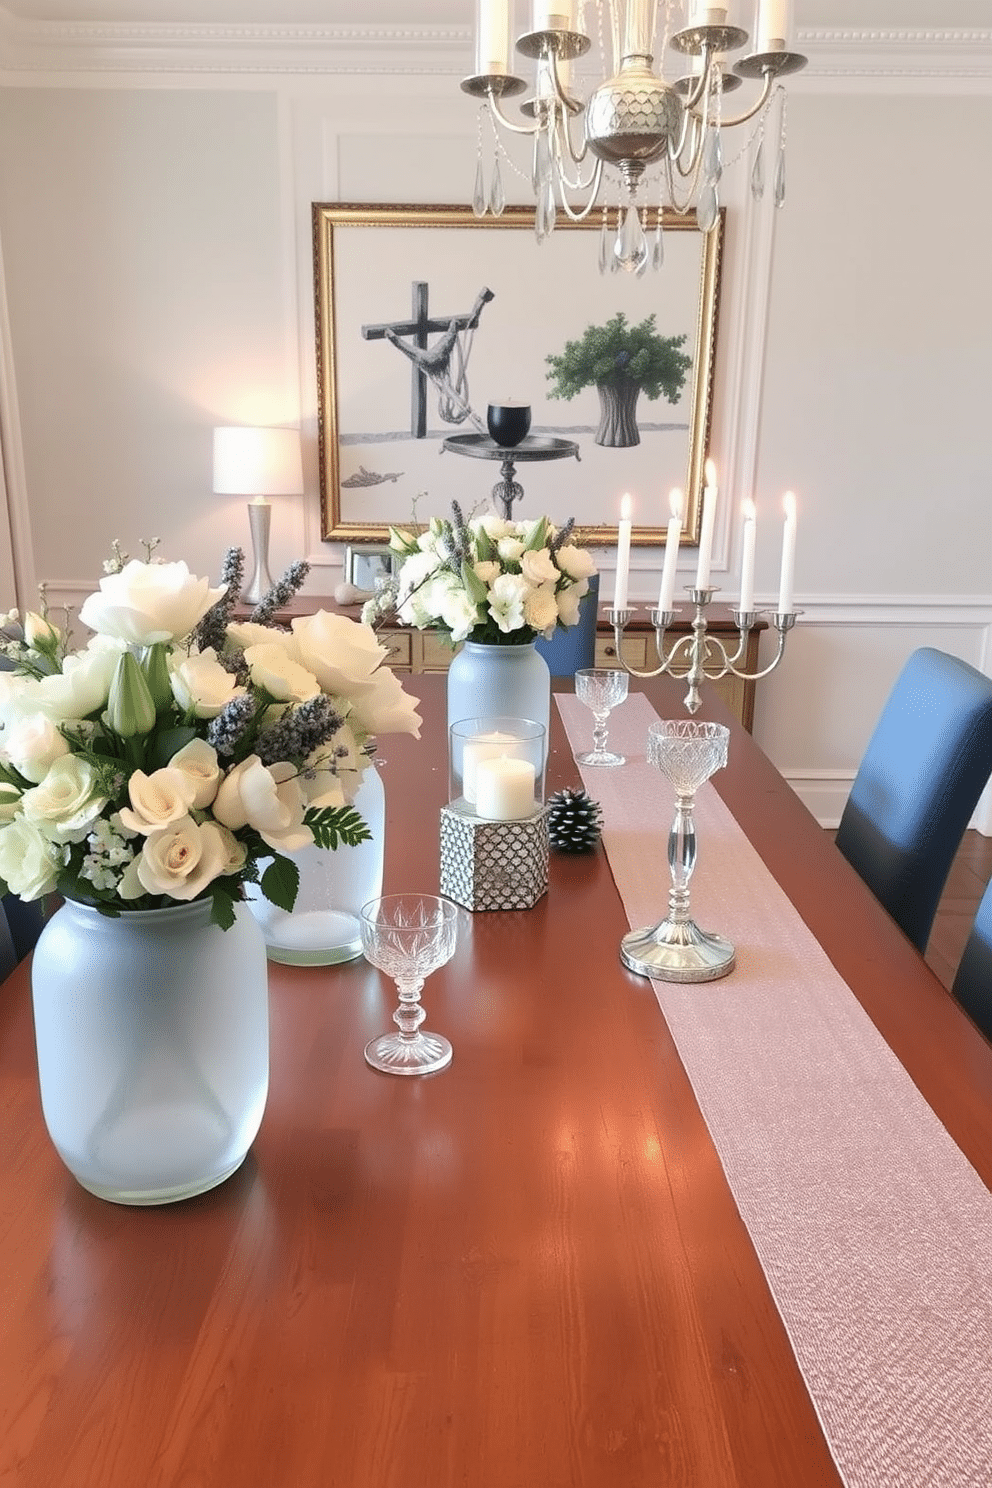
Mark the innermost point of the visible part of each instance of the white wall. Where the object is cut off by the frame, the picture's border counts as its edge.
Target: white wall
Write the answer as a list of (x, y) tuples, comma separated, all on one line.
[(155, 232)]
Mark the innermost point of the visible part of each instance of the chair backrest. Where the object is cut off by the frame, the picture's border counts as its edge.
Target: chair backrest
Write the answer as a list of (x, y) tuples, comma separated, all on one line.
[(925, 767), (574, 646), (20, 926), (972, 984)]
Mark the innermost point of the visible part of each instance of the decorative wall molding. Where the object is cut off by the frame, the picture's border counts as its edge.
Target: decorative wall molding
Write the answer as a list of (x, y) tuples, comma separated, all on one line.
[(86, 47)]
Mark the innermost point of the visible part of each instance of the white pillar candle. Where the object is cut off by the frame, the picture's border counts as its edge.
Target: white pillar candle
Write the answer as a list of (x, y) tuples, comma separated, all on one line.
[(492, 41), (710, 493), (666, 595), (774, 25), (785, 604), (623, 555), (747, 554), (703, 13), (553, 15), (504, 789), (483, 747)]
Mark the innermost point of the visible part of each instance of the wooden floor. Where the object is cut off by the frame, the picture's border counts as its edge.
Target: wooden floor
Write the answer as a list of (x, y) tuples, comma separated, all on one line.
[(966, 882), (965, 886)]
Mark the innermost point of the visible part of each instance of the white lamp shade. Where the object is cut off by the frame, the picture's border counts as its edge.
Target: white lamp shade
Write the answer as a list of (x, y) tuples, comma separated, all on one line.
[(257, 462)]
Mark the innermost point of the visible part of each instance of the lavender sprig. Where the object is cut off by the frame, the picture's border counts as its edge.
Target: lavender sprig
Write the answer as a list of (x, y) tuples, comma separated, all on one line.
[(281, 593), (232, 722), (212, 628), (299, 733), (561, 537)]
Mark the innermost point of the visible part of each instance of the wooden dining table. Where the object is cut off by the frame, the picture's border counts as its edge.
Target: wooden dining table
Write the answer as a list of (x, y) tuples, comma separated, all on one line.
[(526, 1271)]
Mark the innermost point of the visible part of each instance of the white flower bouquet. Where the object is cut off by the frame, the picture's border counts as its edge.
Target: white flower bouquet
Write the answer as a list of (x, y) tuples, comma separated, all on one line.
[(489, 579), (177, 749)]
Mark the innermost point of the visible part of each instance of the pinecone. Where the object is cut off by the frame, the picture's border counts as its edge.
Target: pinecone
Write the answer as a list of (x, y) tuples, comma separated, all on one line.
[(574, 821)]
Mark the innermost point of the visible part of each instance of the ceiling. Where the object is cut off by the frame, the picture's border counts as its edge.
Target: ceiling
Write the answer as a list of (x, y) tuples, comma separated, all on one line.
[(813, 14)]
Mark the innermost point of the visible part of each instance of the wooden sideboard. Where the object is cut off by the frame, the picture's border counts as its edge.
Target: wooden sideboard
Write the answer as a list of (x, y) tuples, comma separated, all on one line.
[(419, 651)]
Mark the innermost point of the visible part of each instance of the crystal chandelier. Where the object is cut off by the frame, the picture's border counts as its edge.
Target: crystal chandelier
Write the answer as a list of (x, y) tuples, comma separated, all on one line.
[(635, 128)]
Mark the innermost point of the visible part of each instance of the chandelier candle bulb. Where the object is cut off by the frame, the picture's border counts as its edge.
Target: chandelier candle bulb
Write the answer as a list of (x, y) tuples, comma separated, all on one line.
[(702, 13), (747, 555), (666, 596), (774, 25), (710, 493), (623, 555), (492, 55), (504, 789), (553, 15), (785, 604)]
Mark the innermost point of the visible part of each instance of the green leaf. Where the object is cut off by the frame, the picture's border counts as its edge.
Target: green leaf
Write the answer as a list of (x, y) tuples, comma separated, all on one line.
[(539, 537), (484, 546), (336, 826), (223, 901), (280, 883), (474, 587), (169, 743)]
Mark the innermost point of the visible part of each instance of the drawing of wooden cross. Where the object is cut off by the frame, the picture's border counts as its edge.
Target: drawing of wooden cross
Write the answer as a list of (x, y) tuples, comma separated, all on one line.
[(420, 325)]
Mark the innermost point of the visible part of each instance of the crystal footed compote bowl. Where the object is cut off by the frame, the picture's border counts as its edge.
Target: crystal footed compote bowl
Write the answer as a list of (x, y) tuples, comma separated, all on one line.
[(677, 950), (408, 936), (601, 689)]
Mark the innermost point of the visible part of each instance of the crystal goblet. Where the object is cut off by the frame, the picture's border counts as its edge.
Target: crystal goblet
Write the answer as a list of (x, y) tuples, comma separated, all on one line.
[(601, 689), (408, 936), (676, 950)]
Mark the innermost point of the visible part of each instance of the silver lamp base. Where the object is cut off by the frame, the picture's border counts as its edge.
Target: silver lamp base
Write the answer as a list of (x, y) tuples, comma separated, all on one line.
[(677, 951)]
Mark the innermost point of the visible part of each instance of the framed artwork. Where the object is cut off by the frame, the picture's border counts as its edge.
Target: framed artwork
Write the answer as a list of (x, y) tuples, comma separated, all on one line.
[(427, 315)]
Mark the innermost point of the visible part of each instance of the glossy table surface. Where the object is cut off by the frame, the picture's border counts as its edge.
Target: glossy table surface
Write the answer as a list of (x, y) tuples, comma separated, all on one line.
[(524, 1272)]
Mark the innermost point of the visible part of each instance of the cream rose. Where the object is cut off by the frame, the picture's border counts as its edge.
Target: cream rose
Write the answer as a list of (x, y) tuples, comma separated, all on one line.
[(380, 706), (157, 799), (538, 567), (29, 862), (338, 651), (568, 601), (202, 685), (198, 760), (149, 602), (182, 859), (65, 803), (541, 608), (274, 668), (268, 798), (575, 562)]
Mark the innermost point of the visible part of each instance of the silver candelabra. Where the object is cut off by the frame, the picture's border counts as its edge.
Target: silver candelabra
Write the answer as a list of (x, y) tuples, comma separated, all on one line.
[(702, 657)]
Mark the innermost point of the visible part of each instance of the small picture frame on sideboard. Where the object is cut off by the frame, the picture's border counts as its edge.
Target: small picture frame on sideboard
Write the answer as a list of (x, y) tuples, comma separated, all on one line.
[(364, 566)]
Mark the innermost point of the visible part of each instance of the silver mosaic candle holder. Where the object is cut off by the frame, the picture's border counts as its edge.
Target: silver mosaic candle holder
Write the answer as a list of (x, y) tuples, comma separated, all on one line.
[(701, 656), (494, 864)]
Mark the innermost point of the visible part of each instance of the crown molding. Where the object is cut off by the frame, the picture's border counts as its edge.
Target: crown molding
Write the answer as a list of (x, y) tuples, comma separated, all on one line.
[(50, 50)]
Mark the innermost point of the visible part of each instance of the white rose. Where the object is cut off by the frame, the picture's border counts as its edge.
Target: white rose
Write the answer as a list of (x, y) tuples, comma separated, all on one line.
[(538, 567), (267, 798), (417, 568), (568, 601), (245, 633), (338, 651), (541, 609), (576, 562), (29, 862), (487, 570), (380, 706), (459, 614), (182, 859), (65, 804), (493, 526), (149, 602), (83, 685), (274, 668), (510, 549), (198, 760), (158, 799), (200, 683), (32, 745)]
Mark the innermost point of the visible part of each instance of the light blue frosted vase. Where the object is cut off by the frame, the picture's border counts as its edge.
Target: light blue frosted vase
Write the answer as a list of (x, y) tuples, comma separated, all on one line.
[(499, 682)]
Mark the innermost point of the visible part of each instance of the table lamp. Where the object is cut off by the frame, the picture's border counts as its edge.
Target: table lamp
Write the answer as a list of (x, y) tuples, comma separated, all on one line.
[(258, 463)]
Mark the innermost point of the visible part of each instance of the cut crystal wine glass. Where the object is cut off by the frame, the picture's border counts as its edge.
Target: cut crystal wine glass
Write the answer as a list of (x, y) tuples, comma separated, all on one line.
[(408, 936), (676, 950), (601, 689)]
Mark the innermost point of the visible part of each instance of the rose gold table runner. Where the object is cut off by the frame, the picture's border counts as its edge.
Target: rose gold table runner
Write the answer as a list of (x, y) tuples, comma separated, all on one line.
[(874, 1232)]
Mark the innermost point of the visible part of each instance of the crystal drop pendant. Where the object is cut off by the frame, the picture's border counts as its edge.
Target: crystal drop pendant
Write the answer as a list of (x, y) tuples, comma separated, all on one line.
[(630, 249), (542, 161), (707, 209), (779, 191), (604, 246), (712, 155), (544, 215), (658, 247), (497, 196), (758, 172), (479, 194)]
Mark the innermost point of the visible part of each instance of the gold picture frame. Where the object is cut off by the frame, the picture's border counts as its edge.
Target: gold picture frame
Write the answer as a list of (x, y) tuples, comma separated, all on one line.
[(498, 303)]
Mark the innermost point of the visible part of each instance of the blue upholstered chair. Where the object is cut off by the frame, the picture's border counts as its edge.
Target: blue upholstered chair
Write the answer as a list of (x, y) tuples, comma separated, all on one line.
[(925, 767), (574, 646), (20, 926), (973, 980)]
